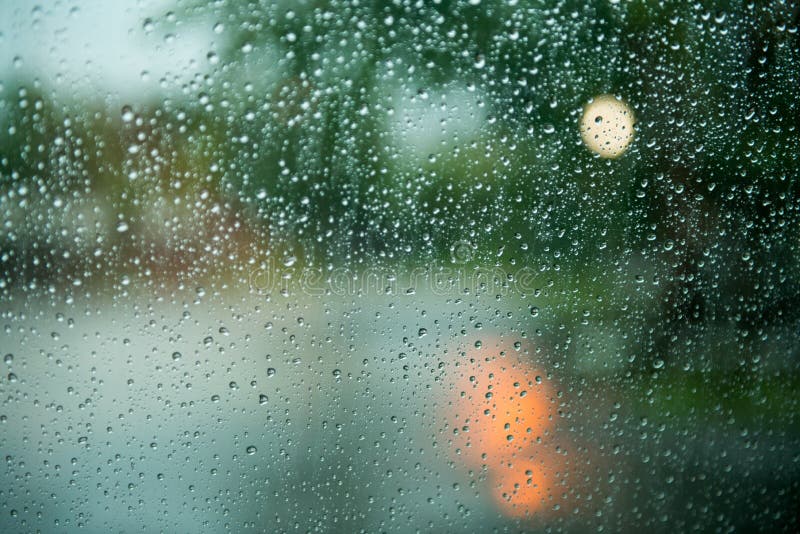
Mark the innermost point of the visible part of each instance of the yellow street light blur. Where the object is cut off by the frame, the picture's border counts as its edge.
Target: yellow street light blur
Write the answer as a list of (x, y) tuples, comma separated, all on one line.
[(607, 126)]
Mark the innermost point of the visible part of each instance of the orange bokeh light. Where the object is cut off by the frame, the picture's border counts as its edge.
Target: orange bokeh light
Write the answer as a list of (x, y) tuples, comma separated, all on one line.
[(522, 488), (501, 412), (502, 406)]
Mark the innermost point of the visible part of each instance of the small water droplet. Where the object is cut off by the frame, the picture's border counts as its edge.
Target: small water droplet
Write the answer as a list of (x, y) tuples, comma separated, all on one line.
[(127, 114)]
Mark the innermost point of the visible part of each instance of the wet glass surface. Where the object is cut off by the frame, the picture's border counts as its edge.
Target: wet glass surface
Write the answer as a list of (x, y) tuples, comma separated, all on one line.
[(403, 266)]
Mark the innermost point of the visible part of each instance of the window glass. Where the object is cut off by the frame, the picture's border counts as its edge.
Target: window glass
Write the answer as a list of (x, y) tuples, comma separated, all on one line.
[(401, 266)]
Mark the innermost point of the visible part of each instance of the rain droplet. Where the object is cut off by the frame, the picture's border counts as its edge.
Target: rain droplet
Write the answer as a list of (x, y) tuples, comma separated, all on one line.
[(127, 114)]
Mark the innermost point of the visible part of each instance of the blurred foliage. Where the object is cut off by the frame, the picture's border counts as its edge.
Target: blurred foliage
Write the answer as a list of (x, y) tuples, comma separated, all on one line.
[(288, 147)]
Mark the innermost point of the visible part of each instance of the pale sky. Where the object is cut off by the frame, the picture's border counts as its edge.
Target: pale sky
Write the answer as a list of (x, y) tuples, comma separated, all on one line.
[(100, 48)]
